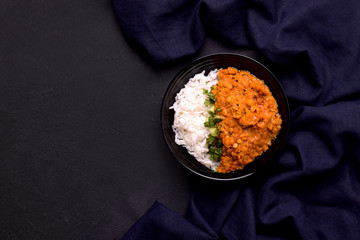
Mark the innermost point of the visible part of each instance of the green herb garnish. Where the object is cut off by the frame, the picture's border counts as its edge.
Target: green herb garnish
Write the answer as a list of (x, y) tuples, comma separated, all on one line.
[(210, 95), (215, 147), (213, 142)]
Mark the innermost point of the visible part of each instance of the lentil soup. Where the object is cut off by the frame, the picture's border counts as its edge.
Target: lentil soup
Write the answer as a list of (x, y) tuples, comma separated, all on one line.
[(250, 118)]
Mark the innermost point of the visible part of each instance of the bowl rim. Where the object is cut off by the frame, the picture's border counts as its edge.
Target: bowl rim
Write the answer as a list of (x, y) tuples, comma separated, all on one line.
[(224, 54)]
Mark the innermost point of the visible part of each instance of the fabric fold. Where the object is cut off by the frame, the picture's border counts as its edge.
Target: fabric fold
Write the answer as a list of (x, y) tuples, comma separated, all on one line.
[(160, 222), (165, 30)]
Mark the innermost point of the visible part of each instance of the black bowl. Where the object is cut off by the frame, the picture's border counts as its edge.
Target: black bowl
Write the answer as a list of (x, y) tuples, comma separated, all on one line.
[(209, 63)]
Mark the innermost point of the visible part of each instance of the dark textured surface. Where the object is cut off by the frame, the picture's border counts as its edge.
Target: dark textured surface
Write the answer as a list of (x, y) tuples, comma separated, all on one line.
[(81, 150)]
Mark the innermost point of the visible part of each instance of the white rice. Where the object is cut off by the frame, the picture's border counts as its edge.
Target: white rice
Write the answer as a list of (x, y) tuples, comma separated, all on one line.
[(190, 115)]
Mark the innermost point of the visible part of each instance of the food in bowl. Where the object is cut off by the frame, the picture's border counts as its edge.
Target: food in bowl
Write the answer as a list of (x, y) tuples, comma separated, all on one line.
[(225, 119)]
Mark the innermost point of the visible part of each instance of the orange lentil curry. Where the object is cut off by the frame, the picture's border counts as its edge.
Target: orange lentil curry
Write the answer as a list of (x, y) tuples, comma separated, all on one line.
[(250, 117)]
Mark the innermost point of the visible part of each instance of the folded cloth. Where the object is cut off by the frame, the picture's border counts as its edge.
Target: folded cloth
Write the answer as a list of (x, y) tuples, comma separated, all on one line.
[(313, 190)]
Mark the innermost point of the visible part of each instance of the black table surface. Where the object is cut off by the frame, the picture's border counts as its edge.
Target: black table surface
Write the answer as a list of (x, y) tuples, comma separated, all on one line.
[(82, 153)]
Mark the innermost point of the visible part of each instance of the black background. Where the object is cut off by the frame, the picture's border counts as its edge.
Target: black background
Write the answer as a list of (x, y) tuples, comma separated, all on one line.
[(82, 154)]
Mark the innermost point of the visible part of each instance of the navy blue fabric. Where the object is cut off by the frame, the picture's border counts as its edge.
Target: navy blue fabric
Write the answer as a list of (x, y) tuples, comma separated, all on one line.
[(313, 190)]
